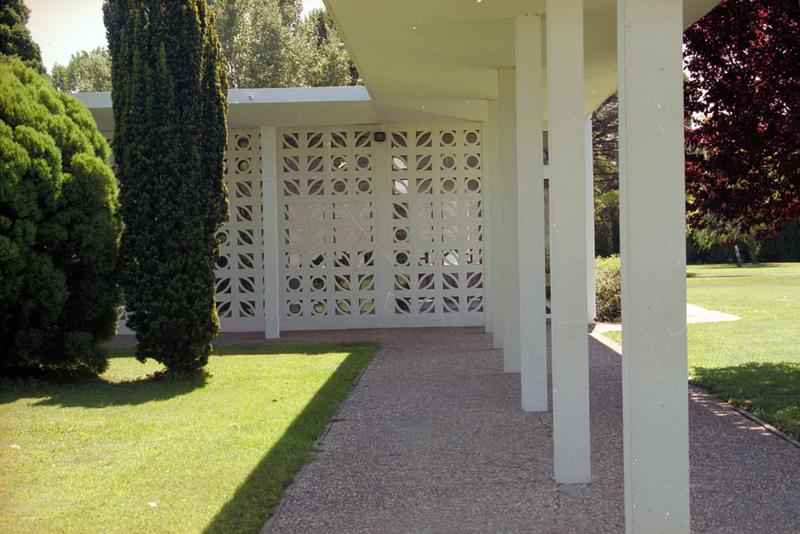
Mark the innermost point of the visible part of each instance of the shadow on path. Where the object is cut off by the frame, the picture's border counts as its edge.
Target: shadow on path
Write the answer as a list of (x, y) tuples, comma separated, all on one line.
[(769, 390)]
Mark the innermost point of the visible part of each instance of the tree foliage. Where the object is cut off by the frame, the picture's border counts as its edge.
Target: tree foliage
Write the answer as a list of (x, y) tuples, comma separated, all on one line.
[(608, 292), (15, 39), (605, 152), (605, 144), (742, 105), (712, 231), (324, 61), (169, 142), (59, 228), (257, 45), (606, 221), (267, 44), (87, 71)]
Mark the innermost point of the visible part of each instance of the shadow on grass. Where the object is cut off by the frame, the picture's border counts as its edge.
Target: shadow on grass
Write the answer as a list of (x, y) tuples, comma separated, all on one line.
[(770, 390), (744, 266), (257, 496), (702, 272), (96, 392), (99, 393)]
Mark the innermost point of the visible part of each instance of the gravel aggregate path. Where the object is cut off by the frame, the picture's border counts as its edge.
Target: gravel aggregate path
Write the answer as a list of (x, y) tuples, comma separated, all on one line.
[(432, 439)]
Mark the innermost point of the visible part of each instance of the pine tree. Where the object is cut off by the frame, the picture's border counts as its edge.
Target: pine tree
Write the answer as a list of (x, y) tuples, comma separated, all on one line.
[(169, 139)]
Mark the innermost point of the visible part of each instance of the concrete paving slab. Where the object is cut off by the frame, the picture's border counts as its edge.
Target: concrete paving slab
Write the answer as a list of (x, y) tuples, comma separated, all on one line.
[(694, 314), (698, 314)]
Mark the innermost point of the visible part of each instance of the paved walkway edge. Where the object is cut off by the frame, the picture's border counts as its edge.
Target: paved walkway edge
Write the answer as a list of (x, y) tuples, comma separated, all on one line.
[(318, 444), (748, 415), (616, 347)]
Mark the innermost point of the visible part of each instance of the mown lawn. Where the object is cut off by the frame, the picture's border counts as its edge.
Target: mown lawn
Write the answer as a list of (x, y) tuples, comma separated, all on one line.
[(753, 363), (127, 453)]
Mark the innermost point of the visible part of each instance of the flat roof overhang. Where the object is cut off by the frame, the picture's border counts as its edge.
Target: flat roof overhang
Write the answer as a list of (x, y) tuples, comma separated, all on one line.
[(249, 108), (444, 54)]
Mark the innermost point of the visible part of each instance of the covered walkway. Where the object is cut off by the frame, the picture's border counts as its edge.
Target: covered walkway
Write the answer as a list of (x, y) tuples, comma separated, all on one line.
[(433, 439)]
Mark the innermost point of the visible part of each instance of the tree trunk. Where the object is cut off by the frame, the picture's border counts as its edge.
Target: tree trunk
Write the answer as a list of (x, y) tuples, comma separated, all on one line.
[(753, 247), (738, 255)]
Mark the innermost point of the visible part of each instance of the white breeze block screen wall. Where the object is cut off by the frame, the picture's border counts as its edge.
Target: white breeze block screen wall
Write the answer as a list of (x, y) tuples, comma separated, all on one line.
[(380, 233), (240, 269), (371, 234)]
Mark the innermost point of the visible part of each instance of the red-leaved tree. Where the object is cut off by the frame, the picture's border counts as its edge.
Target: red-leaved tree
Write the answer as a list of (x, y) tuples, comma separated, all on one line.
[(742, 99)]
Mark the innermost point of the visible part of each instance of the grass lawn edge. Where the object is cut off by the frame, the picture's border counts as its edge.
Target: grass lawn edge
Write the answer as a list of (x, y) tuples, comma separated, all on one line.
[(252, 491)]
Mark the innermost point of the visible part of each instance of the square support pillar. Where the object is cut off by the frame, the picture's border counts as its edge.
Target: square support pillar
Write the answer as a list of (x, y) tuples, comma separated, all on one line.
[(530, 213), (488, 223), (507, 125), (496, 231), (568, 291), (591, 285), (652, 225), (269, 211)]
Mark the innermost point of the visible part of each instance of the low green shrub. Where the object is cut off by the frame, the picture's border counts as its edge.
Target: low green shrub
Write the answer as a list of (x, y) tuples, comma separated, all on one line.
[(607, 289), (59, 229)]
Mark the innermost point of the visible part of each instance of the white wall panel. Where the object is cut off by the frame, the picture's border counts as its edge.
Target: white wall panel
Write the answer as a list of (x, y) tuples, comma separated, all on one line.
[(381, 233)]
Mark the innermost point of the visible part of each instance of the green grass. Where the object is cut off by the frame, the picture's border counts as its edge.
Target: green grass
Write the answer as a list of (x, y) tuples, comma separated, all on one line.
[(126, 453), (753, 363)]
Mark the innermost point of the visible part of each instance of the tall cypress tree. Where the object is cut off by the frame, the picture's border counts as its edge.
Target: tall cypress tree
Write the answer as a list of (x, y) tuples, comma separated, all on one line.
[(169, 96)]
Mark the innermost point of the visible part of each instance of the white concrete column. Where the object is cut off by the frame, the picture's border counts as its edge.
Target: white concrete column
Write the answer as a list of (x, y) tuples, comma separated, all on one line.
[(507, 119), (495, 233), (651, 169), (570, 340), (591, 286), (530, 213), (487, 167), (269, 211)]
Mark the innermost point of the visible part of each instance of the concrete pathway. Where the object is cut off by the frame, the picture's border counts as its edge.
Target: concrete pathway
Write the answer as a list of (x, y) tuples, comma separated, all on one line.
[(432, 440), (694, 314), (698, 314)]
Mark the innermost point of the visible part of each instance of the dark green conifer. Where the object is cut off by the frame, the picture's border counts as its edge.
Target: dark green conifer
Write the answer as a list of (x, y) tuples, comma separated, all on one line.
[(15, 39), (169, 97), (59, 229)]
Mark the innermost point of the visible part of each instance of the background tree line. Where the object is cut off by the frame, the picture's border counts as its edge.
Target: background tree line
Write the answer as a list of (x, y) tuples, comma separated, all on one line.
[(742, 117), (264, 44)]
